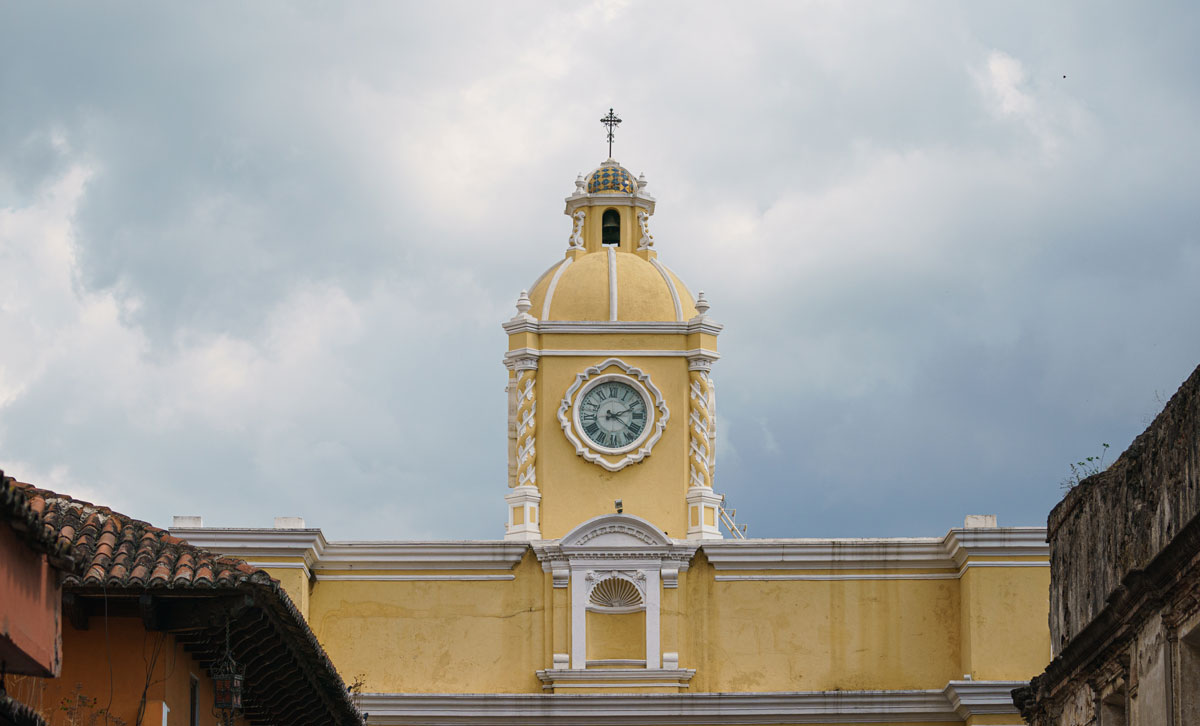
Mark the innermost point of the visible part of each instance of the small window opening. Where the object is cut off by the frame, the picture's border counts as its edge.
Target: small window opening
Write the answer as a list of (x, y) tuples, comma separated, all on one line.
[(610, 227), (1112, 709), (194, 702)]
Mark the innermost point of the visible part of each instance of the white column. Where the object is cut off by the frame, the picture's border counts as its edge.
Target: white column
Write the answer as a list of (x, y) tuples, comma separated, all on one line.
[(578, 619), (653, 619)]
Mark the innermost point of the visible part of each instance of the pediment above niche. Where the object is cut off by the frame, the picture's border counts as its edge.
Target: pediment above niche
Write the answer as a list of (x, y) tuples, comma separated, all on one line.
[(619, 540), (616, 531)]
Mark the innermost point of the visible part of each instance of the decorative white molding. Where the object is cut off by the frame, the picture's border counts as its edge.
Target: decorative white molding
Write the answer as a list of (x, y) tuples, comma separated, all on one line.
[(562, 267), (658, 415), (695, 325), (576, 240), (526, 426), (527, 361), (616, 592), (415, 578), (702, 430), (996, 542), (461, 555), (626, 678), (621, 545), (694, 353), (979, 698), (612, 285), (946, 553), (670, 286), (525, 499), (609, 199), (259, 544), (958, 701), (647, 240), (827, 578), (703, 502)]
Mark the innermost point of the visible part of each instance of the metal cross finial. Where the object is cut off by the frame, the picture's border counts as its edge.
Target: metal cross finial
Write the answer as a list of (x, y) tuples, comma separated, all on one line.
[(611, 121)]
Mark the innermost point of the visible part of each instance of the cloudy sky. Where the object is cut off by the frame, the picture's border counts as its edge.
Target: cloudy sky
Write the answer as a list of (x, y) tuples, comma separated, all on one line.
[(254, 257)]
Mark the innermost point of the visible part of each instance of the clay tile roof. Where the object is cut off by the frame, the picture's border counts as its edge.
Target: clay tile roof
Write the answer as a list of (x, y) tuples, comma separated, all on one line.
[(118, 551), (26, 517), (119, 554)]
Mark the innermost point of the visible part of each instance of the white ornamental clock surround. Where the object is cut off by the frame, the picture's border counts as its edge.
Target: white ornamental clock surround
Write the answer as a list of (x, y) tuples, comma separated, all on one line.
[(657, 414)]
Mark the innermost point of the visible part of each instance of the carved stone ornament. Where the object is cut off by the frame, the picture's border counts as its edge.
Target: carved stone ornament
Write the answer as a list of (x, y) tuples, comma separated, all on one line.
[(636, 377), (576, 241), (617, 529), (647, 240)]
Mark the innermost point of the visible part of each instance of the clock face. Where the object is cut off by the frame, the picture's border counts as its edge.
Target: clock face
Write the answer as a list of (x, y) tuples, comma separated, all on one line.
[(612, 414)]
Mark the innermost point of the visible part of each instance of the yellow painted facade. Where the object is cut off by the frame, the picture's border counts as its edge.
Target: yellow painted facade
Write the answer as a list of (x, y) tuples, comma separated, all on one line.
[(615, 581)]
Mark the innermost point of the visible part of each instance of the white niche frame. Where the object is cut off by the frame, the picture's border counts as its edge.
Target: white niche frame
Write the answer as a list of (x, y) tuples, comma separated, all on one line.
[(615, 545)]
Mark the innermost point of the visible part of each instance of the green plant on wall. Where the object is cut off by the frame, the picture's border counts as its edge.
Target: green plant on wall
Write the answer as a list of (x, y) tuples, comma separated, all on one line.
[(1081, 470), (80, 710)]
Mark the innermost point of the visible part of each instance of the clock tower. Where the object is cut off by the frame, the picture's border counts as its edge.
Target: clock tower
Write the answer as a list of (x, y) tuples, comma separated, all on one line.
[(611, 403)]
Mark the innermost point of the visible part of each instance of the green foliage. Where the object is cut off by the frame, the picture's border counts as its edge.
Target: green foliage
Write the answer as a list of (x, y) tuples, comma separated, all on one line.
[(81, 710), (1081, 470)]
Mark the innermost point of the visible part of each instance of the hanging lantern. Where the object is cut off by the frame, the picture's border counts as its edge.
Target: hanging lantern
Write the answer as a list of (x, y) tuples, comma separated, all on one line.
[(227, 684), (227, 688)]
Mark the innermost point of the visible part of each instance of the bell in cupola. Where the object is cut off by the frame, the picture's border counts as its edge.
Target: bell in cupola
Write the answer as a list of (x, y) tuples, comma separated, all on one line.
[(610, 227)]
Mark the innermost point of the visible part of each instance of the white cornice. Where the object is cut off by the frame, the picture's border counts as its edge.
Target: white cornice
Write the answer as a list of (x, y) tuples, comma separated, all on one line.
[(955, 703), (523, 356), (260, 547), (978, 698), (264, 547), (601, 199), (996, 542), (598, 327), (950, 552)]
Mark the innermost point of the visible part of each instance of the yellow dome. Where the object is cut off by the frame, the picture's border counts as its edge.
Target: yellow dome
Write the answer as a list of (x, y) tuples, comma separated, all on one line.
[(580, 289)]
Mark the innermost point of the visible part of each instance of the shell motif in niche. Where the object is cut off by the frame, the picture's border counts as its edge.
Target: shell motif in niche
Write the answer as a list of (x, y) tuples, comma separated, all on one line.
[(616, 592)]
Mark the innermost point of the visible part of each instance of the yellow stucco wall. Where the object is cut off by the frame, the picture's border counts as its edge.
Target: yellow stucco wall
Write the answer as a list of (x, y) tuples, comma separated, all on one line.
[(435, 636), (740, 636), (1004, 627), (814, 635), (574, 490)]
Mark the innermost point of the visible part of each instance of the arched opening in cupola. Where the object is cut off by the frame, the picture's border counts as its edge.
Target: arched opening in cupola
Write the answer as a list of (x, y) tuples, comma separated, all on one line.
[(610, 227)]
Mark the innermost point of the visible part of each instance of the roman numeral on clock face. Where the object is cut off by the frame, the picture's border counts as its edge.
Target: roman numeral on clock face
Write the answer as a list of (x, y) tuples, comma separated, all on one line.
[(612, 414)]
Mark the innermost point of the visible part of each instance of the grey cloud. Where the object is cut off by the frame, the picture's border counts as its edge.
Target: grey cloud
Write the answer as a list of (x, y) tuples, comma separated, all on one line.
[(934, 304)]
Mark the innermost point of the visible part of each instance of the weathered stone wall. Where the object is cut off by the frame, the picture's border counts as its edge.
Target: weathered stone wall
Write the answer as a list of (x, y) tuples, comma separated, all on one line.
[(1119, 520)]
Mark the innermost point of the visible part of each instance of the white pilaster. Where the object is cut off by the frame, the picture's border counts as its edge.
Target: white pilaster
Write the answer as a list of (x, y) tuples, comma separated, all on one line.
[(703, 513), (524, 513), (578, 619), (653, 618)]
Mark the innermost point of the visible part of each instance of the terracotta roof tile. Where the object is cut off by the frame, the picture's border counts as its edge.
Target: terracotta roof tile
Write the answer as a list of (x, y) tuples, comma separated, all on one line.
[(118, 551), (26, 516)]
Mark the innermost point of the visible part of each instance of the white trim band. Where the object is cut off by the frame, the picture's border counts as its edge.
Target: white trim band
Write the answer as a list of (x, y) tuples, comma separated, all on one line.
[(955, 703), (945, 553), (957, 574), (597, 353), (415, 578)]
